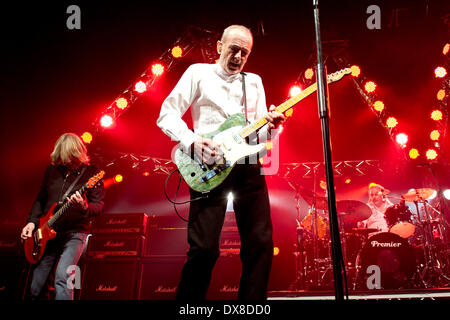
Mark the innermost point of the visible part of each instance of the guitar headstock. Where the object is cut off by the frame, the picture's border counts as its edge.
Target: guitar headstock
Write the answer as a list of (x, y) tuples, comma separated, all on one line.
[(93, 180), (338, 75)]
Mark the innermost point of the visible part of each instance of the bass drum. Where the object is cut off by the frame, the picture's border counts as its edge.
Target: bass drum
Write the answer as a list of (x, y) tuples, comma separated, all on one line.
[(394, 257)]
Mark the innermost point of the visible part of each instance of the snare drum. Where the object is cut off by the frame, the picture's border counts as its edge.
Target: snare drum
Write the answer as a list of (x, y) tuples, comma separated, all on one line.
[(398, 218), (394, 257)]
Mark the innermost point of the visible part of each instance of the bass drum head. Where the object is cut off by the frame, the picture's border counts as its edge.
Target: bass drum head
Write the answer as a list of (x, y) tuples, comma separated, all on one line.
[(394, 257)]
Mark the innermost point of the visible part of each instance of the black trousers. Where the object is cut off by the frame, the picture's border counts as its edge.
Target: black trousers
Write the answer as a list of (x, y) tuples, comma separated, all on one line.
[(206, 217)]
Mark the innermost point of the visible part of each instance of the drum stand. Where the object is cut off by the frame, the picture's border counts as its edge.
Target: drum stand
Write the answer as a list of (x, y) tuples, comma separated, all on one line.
[(431, 275)]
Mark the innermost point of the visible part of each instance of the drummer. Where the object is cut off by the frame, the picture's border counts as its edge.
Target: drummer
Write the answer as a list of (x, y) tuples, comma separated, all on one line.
[(378, 203)]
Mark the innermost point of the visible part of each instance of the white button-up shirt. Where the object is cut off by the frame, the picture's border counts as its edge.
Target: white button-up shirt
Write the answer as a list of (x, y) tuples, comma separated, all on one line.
[(377, 219), (213, 96)]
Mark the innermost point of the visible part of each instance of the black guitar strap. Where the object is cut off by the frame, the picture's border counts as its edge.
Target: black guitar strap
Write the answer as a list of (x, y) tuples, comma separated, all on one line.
[(244, 97), (72, 185)]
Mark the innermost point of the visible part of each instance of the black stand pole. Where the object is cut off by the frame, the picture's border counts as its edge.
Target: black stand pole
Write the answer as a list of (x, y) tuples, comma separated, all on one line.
[(323, 114)]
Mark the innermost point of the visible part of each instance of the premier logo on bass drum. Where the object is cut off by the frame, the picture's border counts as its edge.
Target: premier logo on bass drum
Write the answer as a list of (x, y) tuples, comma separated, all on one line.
[(391, 244)]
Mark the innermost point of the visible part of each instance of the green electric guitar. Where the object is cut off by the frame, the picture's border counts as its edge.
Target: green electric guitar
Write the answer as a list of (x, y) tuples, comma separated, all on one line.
[(231, 136)]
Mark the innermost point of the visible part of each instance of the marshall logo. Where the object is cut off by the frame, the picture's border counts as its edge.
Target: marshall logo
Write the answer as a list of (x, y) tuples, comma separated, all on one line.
[(103, 288), (162, 289), (6, 244), (231, 243), (226, 288), (115, 244), (116, 221), (385, 244)]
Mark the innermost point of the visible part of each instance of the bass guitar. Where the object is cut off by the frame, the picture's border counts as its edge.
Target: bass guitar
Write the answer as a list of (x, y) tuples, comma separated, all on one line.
[(34, 246)]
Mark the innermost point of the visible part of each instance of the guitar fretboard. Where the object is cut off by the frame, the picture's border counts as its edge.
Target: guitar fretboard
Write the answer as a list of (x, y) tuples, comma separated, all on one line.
[(248, 130), (63, 209)]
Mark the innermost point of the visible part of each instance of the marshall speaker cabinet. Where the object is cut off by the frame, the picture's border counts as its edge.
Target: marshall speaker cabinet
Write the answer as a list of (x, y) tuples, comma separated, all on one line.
[(112, 279)]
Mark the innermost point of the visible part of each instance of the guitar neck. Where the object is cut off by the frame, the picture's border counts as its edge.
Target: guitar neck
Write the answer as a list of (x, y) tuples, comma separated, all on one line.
[(251, 128), (63, 209)]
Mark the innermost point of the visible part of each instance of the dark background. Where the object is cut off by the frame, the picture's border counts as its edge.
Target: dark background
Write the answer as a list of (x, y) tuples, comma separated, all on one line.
[(56, 80)]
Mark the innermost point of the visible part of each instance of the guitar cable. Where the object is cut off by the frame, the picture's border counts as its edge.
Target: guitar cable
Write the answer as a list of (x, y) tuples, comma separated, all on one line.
[(174, 202)]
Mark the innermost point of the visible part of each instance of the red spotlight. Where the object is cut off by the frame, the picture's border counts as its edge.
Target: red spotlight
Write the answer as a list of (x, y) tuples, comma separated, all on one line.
[(106, 121), (391, 122), (276, 251), (370, 86), (431, 154), (440, 72), (434, 135), (86, 137), (378, 106), (140, 87), (356, 71), (177, 52), (309, 73), (118, 178), (401, 139), (294, 90), (121, 103), (446, 48), (413, 153), (157, 69), (146, 173), (436, 115)]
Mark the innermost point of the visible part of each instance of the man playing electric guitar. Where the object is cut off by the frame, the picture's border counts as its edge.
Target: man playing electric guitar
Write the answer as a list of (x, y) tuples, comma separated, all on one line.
[(216, 92), (68, 171)]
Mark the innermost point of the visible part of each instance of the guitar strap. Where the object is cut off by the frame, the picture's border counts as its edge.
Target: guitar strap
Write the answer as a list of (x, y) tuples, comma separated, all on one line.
[(73, 184), (244, 97)]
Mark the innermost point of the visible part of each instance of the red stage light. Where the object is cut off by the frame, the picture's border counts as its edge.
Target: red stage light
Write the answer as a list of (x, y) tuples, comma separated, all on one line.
[(146, 173), (294, 90), (440, 95), (356, 71), (121, 103), (309, 73), (157, 69), (436, 115), (431, 154), (434, 135), (391, 122), (348, 180), (106, 121), (446, 48), (86, 137), (401, 139), (276, 251), (440, 72), (413, 153), (378, 106), (370, 86), (177, 52), (140, 87)]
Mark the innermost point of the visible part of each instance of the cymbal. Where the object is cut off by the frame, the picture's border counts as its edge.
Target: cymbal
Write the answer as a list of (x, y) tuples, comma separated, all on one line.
[(352, 211), (308, 196), (418, 194)]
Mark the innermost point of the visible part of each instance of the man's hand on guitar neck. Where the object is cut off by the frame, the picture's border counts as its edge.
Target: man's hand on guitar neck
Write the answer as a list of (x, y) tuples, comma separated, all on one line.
[(78, 201), (207, 150), (274, 118)]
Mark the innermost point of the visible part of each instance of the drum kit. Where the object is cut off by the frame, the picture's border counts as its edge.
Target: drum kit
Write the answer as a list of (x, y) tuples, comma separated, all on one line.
[(414, 253)]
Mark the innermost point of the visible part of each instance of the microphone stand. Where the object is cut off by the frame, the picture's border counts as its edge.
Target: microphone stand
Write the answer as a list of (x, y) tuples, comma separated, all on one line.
[(323, 114)]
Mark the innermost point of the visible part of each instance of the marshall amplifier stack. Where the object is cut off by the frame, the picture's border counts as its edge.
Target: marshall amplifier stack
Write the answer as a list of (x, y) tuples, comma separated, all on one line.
[(134, 256), (113, 256)]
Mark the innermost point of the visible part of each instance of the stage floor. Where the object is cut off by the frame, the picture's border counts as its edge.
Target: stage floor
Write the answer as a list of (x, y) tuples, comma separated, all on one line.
[(409, 294)]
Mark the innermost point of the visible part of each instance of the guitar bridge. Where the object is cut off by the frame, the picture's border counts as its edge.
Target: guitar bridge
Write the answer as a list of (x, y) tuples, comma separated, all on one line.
[(215, 171)]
